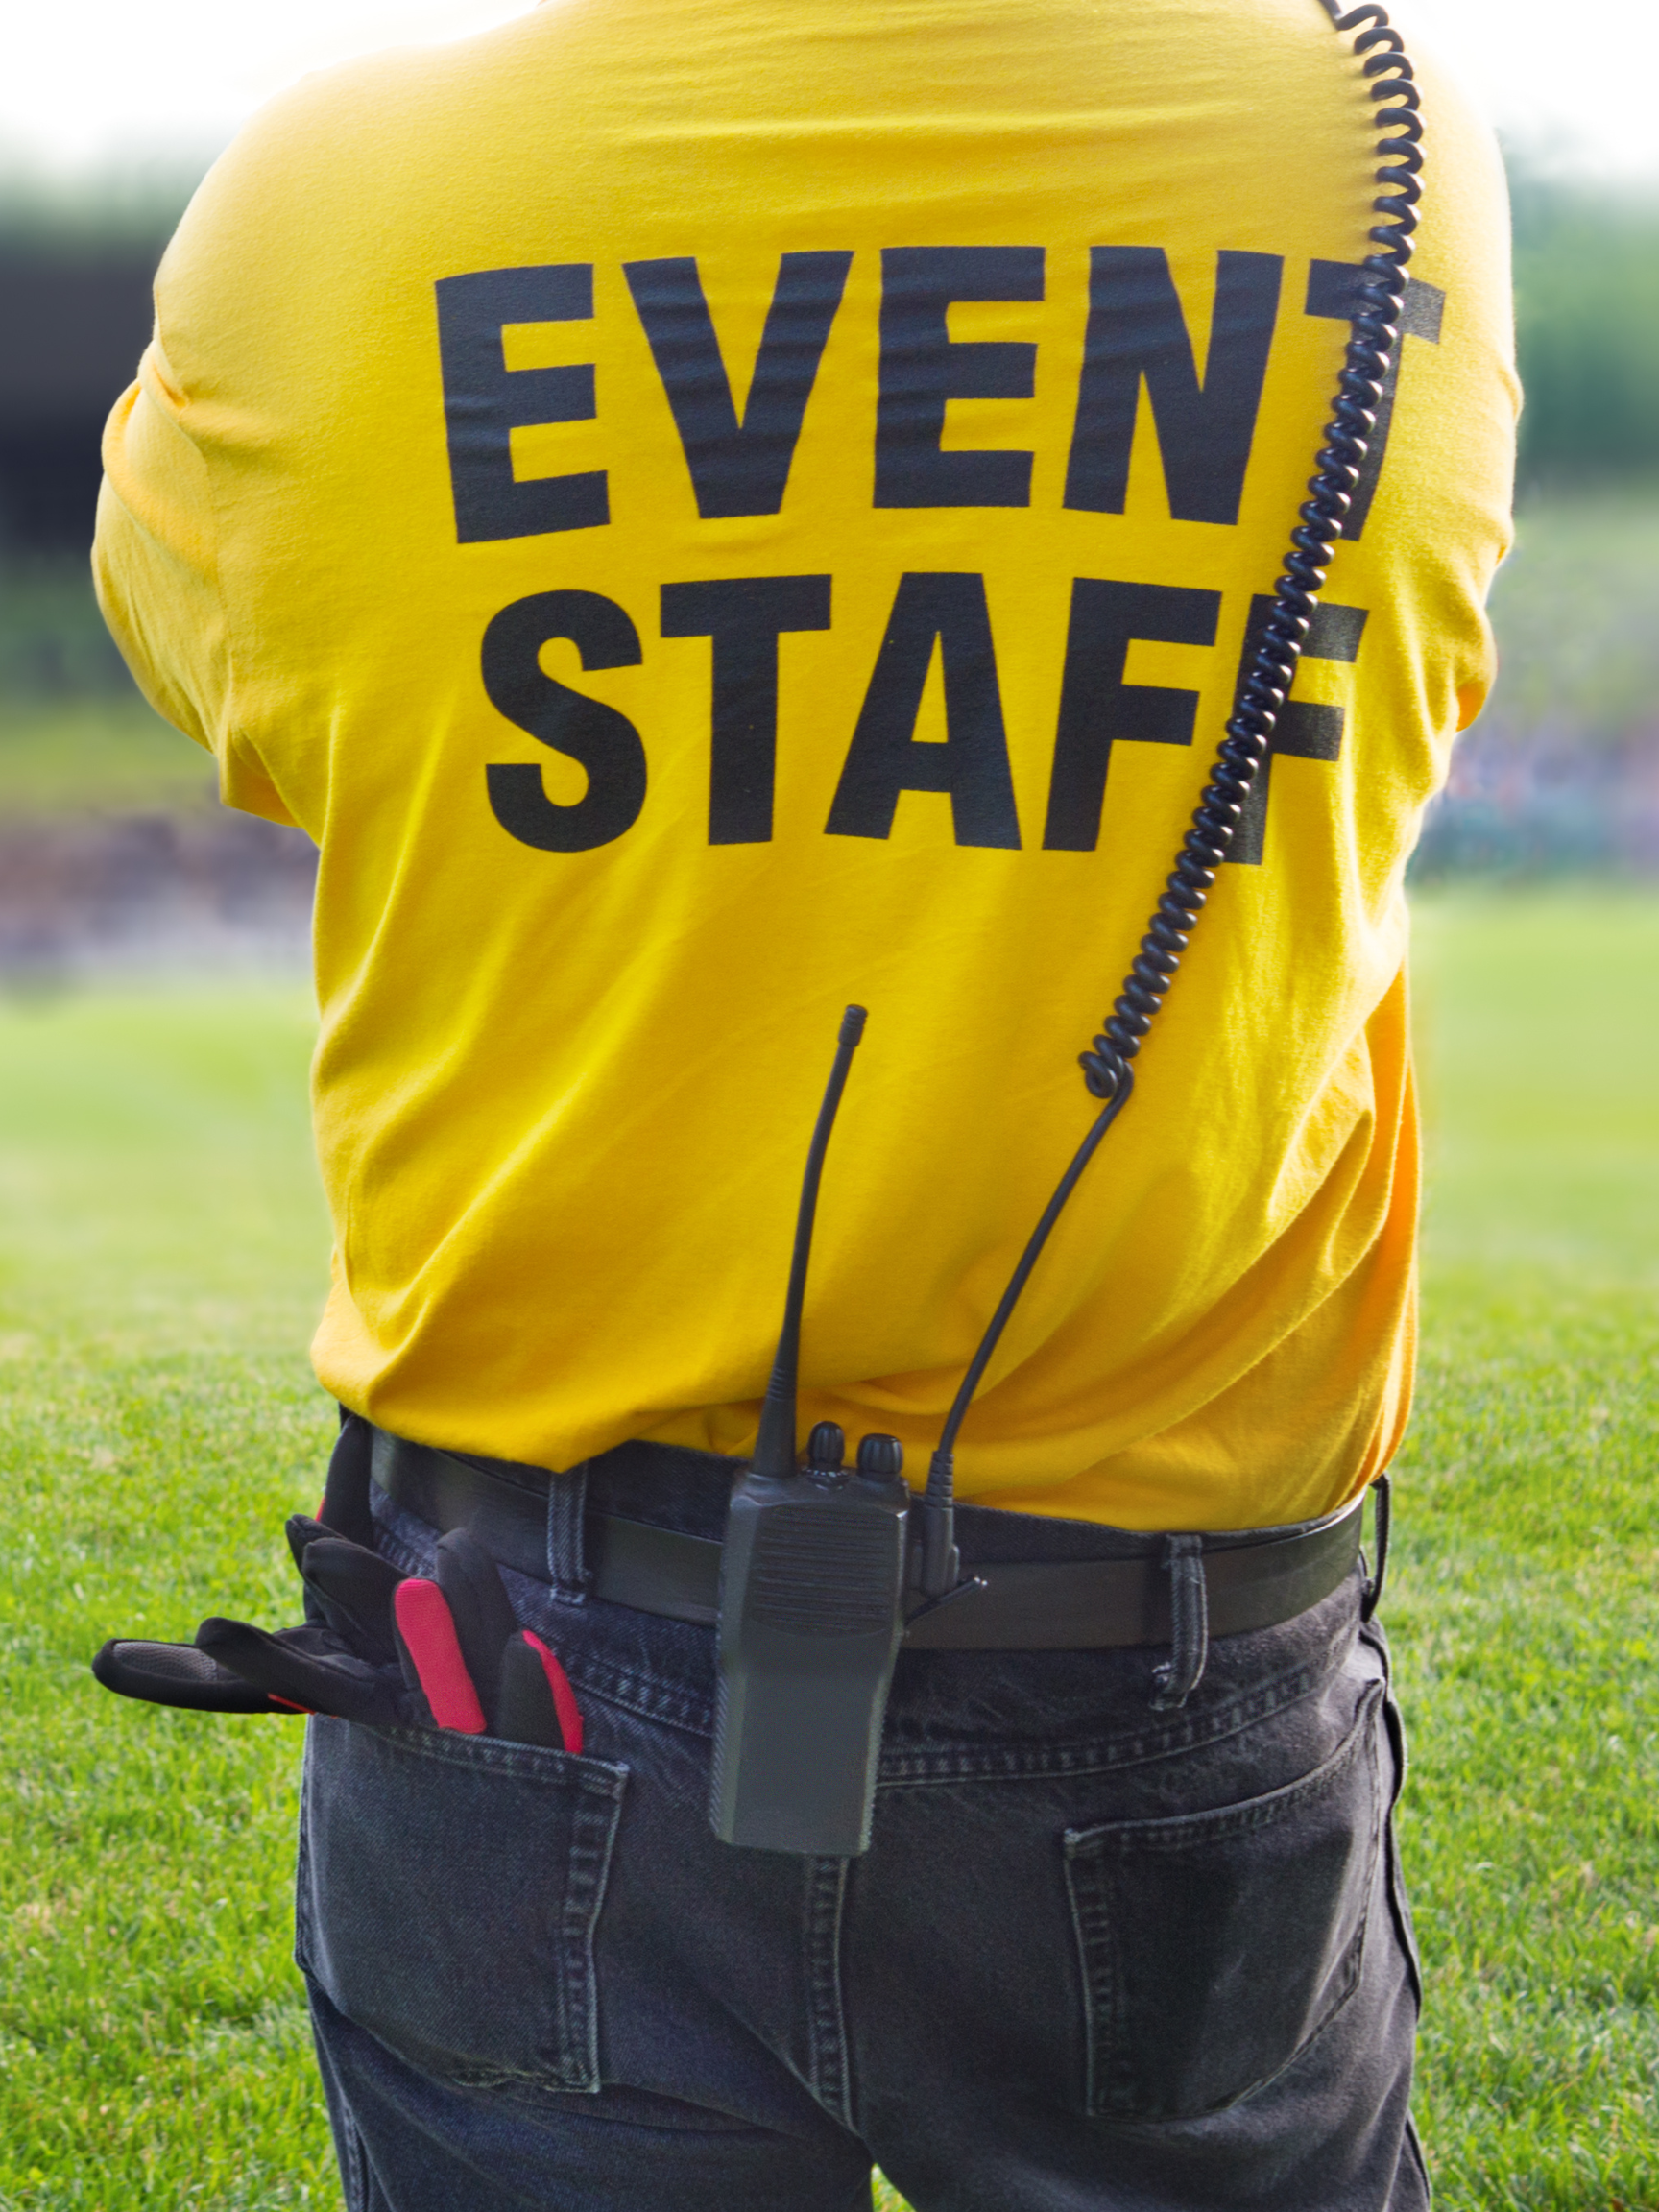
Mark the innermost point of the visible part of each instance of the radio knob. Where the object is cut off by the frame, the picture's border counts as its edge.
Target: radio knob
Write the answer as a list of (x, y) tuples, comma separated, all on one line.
[(881, 1458)]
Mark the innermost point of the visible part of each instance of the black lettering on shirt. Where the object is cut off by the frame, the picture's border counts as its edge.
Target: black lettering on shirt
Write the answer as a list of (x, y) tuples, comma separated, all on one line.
[(738, 466), (1305, 729), (1137, 332), (885, 757), (922, 370), (1333, 290), (744, 615), (485, 401), (603, 741), (1097, 708)]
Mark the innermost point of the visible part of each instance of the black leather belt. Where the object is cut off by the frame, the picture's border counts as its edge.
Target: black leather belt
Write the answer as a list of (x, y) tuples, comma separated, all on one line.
[(1070, 1605)]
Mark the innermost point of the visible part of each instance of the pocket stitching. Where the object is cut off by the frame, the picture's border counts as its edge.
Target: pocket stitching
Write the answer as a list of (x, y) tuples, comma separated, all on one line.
[(1399, 1902), (577, 1769), (1177, 1831), (592, 1841), (594, 1789), (1109, 2082), (302, 1951)]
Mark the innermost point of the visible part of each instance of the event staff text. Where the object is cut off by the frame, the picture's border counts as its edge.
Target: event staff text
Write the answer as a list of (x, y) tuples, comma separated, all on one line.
[(1136, 338)]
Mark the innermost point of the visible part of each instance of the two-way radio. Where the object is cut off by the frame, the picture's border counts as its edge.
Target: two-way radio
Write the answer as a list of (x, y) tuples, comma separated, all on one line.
[(820, 1572), (811, 1597)]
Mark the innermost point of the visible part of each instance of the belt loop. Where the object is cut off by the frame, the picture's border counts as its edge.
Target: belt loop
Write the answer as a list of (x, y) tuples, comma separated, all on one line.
[(1175, 1681), (566, 1510), (1373, 1591)]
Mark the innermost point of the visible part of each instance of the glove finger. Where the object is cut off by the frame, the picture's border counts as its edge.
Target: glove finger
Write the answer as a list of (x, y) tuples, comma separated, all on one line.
[(300, 1529), (353, 1591), (480, 1608), (303, 1667), (537, 1705), (427, 1630), (303, 1528), (346, 1496), (176, 1675)]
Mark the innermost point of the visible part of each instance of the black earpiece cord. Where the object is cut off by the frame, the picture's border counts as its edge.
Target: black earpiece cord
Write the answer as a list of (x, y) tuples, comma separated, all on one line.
[(1107, 1067)]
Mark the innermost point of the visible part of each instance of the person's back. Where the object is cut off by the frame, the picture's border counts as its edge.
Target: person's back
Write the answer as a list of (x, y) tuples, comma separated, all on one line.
[(907, 699), (712, 512)]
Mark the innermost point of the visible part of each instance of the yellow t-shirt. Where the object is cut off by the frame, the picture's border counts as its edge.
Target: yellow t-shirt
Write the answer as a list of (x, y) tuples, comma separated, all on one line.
[(711, 510)]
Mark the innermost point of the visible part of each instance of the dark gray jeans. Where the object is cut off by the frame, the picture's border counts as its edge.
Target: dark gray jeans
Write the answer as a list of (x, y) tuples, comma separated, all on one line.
[(1098, 1957)]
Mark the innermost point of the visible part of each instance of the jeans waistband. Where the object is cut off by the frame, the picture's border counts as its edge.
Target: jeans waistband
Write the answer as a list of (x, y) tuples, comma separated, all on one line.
[(643, 1526)]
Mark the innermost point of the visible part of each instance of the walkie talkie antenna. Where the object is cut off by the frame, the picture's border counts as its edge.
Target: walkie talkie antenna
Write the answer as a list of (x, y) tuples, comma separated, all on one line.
[(775, 1445), (940, 1568)]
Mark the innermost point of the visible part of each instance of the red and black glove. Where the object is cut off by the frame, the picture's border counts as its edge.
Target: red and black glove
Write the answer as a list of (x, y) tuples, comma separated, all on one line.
[(376, 1645)]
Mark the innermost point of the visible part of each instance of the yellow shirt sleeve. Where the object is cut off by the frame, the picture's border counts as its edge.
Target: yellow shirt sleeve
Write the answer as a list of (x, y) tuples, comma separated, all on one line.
[(156, 570)]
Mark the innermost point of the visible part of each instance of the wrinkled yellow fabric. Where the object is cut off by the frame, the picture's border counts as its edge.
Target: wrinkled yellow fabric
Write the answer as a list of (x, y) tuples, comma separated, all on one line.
[(563, 1097)]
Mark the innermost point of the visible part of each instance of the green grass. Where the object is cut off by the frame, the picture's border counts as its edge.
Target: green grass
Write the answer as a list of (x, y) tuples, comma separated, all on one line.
[(161, 1253), (1524, 1612), (162, 1248)]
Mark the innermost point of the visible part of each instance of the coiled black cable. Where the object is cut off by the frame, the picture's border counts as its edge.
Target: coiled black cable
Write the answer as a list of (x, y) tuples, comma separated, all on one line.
[(1108, 1065)]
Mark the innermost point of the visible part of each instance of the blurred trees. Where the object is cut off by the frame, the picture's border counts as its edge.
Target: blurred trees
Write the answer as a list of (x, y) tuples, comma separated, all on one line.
[(1587, 324), (1586, 300), (77, 256), (126, 211)]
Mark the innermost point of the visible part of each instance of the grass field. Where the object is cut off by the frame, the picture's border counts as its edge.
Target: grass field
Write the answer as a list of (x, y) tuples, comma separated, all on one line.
[(161, 1252)]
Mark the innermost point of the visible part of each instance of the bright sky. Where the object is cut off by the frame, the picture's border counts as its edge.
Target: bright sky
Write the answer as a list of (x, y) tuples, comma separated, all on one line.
[(105, 78)]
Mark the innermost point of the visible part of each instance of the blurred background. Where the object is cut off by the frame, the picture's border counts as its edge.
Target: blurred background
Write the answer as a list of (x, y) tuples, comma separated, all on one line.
[(110, 846), (164, 1245)]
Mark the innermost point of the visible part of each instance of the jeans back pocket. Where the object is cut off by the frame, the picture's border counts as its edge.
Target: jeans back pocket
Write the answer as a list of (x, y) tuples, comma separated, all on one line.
[(450, 1886), (1216, 1945)]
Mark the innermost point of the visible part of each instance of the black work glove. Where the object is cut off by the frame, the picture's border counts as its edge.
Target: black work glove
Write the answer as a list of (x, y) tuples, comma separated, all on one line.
[(376, 1646)]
